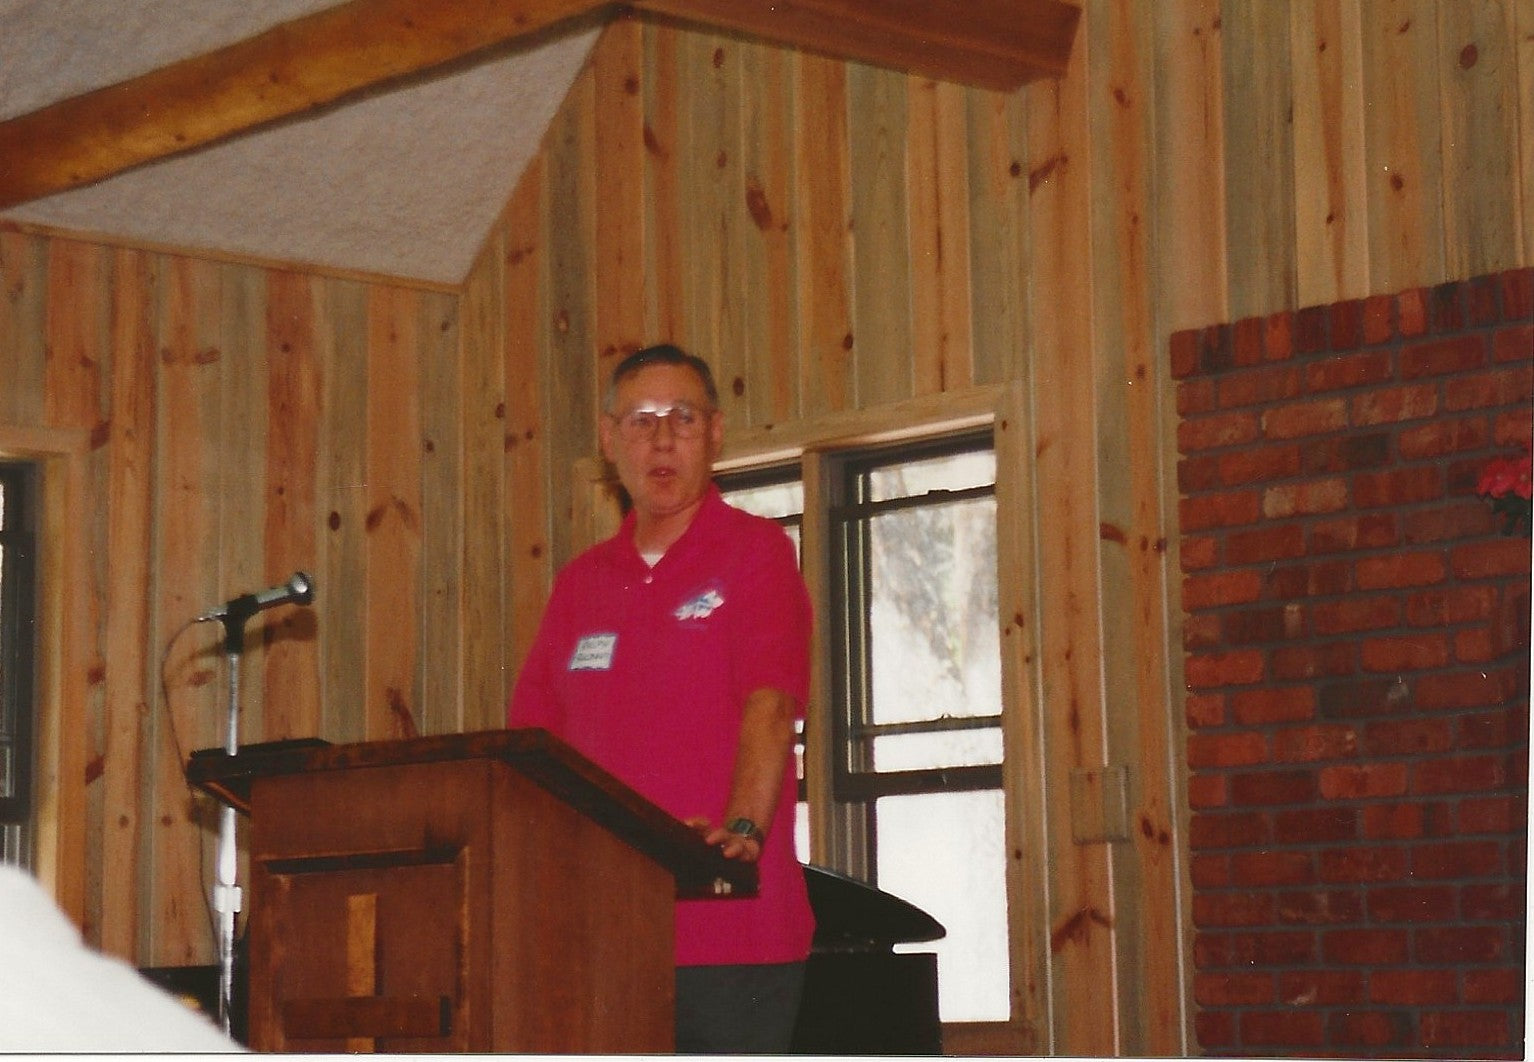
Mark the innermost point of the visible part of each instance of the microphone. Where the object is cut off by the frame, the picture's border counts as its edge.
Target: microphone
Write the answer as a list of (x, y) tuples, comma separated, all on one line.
[(297, 590)]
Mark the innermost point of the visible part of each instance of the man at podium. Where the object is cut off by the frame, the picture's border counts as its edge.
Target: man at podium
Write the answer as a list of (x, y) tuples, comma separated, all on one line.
[(676, 655)]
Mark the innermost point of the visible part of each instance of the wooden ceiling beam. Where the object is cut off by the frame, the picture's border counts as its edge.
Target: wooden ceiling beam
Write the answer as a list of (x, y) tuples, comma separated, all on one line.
[(321, 58), (996, 44)]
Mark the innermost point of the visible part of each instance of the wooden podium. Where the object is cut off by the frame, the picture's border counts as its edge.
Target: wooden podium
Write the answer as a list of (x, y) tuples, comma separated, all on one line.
[(489, 892)]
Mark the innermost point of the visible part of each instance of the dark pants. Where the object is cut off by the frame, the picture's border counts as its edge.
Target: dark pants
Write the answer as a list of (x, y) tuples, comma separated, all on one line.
[(729, 1010)]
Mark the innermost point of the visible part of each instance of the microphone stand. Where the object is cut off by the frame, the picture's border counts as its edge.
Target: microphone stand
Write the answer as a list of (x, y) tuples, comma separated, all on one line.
[(226, 894)]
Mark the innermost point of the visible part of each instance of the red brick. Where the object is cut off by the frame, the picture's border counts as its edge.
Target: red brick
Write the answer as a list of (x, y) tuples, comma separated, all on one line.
[(1446, 309), (1251, 626), (1227, 750), (1204, 709), (1220, 589), (1257, 387), (1490, 559), (1492, 902), (1396, 487), (1517, 287), (1512, 427), (1379, 319), (1365, 947), (1183, 347), (1395, 405), (1196, 475), (1234, 989), (1502, 813), (1363, 613), (1237, 668), (1258, 465), (1466, 1028), (1320, 907), (1458, 689), (1350, 370), (1444, 437), (1300, 419), (1209, 870), (1310, 329), (1393, 822), (1347, 324), (1363, 864), (1463, 774), (1296, 663), (1320, 825), (1309, 744), (1196, 396), (1216, 431), (1502, 387), (1411, 312), (1456, 859), (1264, 544), (1285, 704), (1273, 787), (1408, 737), (1321, 579), (1247, 948), (1242, 908), (1256, 870), (1368, 1028), (1493, 986), (1457, 519), (1278, 336), (1226, 829), (1409, 653), (1206, 791), (1282, 1028), (1443, 357), (1197, 552), (1413, 987), (1450, 606), (1423, 568), (1214, 1029), (1481, 301), (1364, 697), (1513, 344), (1346, 453), (1246, 341), (1460, 945), (1304, 499), (1220, 510), (1412, 903), (1367, 531), (1320, 988), (1361, 781)]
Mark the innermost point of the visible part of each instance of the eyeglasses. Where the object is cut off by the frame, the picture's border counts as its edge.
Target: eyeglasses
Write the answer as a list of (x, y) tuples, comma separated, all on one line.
[(640, 425)]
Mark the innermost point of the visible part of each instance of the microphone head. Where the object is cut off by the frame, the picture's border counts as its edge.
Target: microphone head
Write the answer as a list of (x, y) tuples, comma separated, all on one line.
[(302, 588)]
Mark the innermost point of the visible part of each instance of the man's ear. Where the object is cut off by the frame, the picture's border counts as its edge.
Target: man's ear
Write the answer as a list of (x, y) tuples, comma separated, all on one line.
[(605, 435)]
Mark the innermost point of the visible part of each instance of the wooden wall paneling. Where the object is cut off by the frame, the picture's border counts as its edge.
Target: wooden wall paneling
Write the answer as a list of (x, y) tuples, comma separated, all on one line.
[(1129, 385), (1082, 914), (771, 308), (1478, 60), (1403, 132), (393, 612), (823, 198), (664, 304), (1259, 189), (1523, 34), (714, 216), (529, 560), (1330, 184), (195, 678), (23, 335), (240, 435), (616, 69), (290, 678), (573, 388), (937, 168), (132, 673), (882, 350), (998, 241), (1190, 187), (461, 391), (341, 504)]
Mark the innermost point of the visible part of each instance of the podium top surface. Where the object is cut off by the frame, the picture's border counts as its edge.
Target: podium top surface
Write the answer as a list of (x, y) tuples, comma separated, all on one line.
[(699, 869)]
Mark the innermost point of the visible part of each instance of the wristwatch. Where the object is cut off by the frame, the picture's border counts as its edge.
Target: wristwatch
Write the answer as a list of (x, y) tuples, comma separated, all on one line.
[(744, 827)]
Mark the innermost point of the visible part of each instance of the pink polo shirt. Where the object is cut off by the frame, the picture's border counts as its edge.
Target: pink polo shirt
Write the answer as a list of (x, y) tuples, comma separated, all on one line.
[(645, 671)]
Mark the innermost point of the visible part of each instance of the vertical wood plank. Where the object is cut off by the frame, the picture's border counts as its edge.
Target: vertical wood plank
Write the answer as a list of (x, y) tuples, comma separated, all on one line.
[(942, 351), (1403, 144), (666, 305), (822, 184), (393, 521), (1259, 192), (1523, 34), (998, 242), (1331, 218), (294, 385), (881, 244), (620, 325), (132, 679), (457, 396), (23, 333)]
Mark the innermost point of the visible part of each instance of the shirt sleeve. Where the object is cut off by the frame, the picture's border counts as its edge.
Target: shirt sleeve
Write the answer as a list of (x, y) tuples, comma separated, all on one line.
[(533, 699), (773, 624)]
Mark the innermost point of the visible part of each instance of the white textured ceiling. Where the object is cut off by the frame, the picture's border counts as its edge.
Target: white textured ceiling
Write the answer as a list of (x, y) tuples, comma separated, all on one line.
[(405, 182)]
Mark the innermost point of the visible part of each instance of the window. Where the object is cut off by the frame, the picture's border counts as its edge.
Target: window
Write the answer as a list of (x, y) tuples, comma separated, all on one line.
[(910, 616), (18, 493)]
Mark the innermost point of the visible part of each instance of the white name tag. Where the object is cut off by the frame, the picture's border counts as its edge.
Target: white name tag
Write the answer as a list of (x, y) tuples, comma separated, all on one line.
[(594, 653)]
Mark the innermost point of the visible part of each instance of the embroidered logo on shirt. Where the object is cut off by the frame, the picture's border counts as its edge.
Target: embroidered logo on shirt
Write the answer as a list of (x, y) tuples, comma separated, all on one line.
[(594, 653), (700, 607)]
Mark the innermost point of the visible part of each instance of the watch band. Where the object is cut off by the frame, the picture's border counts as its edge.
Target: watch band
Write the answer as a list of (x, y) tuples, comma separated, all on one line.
[(744, 827)]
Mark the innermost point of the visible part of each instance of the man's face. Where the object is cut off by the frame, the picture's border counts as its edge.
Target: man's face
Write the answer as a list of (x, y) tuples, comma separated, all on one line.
[(664, 472)]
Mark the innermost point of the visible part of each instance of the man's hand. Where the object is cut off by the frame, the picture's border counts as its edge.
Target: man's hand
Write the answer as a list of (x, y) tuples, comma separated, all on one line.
[(731, 845)]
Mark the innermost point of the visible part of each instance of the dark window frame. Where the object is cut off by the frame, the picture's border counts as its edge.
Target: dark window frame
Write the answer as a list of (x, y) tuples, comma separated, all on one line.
[(18, 636)]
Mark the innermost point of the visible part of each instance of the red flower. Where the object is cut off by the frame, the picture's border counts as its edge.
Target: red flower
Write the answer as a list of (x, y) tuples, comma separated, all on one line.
[(1507, 475)]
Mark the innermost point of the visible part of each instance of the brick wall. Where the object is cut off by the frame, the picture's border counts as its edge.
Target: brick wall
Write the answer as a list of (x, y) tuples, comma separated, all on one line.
[(1357, 639)]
